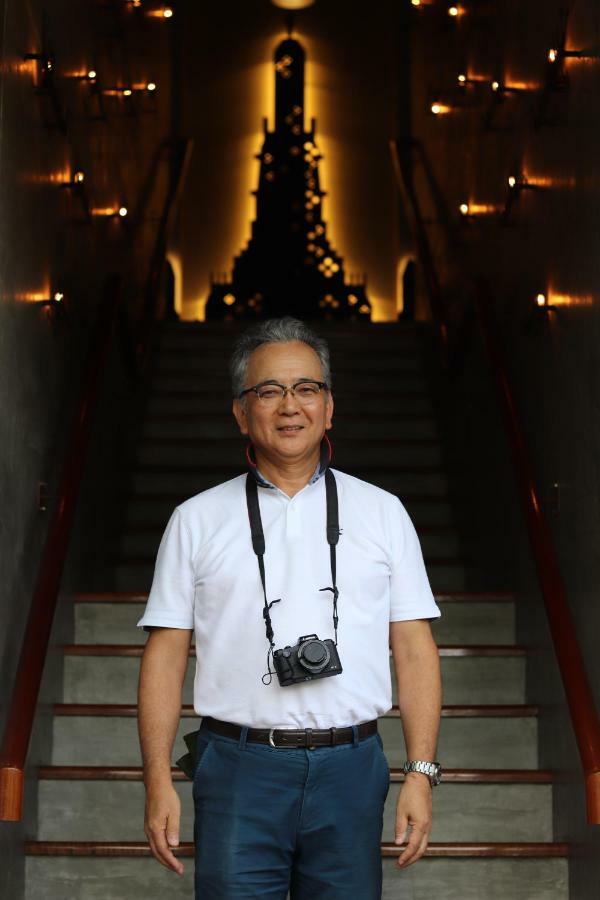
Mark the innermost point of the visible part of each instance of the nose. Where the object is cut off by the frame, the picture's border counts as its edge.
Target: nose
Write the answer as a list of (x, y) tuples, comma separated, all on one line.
[(287, 399)]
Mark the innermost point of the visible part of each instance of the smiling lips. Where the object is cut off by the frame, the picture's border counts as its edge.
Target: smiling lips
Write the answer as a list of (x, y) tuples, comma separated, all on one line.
[(290, 428)]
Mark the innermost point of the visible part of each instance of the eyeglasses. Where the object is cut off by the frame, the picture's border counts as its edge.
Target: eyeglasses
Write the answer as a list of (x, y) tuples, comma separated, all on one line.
[(270, 393)]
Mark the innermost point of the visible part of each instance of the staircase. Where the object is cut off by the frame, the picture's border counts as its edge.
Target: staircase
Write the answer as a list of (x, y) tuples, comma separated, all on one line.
[(492, 834)]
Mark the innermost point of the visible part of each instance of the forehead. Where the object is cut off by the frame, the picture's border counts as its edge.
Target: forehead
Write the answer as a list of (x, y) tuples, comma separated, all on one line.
[(284, 359)]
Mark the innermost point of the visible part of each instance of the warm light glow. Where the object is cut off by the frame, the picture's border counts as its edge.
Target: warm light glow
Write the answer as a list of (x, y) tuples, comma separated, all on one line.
[(229, 299), (151, 86), (453, 11), (91, 74), (462, 79), (58, 297), (512, 181), (481, 209), (552, 55), (123, 211), (541, 300), (167, 12), (127, 92), (78, 177), (292, 4), (556, 299), (549, 181), (495, 85), (416, 2), (439, 109)]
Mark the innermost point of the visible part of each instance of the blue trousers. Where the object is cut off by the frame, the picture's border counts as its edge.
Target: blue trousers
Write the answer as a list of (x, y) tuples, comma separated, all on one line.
[(269, 821)]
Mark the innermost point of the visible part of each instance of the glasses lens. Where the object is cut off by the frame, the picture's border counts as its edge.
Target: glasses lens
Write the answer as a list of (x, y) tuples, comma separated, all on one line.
[(305, 392)]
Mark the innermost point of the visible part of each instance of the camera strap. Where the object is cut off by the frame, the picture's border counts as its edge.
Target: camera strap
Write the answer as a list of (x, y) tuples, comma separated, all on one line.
[(258, 545)]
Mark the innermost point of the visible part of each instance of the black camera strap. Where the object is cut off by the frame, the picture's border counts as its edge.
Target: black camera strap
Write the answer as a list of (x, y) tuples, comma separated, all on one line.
[(258, 545)]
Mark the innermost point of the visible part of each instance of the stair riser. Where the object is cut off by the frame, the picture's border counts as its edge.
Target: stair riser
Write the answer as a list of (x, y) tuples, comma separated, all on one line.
[(146, 544), (90, 878), (216, 384), (200, 405), (347, 429), (157, 512), (138, 577), (192, 482), (345, 363), (231, 453), (113, 679), (84, 811), (467, 623), (503, 743)]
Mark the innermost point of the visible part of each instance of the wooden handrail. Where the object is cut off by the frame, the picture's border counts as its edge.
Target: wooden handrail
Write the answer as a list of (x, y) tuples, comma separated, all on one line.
[(582, 707), (23, 702)]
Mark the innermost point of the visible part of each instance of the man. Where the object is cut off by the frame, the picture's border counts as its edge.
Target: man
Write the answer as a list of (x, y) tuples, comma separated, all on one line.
[(289, 779)]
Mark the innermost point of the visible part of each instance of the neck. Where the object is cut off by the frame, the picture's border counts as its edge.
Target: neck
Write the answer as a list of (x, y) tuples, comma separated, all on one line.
[(290, 476)]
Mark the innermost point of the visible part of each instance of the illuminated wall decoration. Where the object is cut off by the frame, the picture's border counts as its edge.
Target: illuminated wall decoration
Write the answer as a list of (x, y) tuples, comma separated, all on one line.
[(289, 265)]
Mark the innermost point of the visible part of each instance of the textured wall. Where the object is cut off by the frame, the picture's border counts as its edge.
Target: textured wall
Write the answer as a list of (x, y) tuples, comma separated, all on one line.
[(46, 246), (549, 243), (353, 62)]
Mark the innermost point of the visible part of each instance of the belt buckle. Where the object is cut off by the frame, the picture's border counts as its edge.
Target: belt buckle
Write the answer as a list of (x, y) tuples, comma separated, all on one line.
[(271, 742)]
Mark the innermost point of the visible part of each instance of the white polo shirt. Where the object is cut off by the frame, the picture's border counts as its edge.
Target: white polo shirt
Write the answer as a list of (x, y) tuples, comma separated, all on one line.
[(206, 578)]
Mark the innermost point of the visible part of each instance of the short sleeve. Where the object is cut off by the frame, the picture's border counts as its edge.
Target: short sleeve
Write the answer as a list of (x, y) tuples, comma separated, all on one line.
[(411, 596), (171, 598)]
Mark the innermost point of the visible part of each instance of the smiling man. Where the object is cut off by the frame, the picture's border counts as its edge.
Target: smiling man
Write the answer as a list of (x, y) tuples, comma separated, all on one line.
[(296, 579)]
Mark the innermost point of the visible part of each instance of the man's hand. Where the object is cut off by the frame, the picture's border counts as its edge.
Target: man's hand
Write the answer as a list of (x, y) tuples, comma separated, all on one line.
[(413, 808), (161, 825)]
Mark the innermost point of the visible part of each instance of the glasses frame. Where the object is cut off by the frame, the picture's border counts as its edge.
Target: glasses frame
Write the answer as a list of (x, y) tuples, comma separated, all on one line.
[(286, 388)]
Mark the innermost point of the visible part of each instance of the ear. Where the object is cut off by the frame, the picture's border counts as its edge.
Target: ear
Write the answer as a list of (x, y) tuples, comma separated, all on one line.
[(240, 415)]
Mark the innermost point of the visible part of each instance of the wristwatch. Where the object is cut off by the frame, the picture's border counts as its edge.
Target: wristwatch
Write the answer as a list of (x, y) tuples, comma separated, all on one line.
[(433, 770)]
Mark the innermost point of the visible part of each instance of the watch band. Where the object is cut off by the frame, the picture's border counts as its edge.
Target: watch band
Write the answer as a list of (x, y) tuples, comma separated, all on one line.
[(433, 770)]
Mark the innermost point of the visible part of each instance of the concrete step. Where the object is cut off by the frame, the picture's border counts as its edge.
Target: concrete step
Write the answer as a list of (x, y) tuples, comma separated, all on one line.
[(505, 737), (85, 810), (135, 574), (346, 362), (191, 479), (357, 388), (204, 403), (156, 508), (112, 676), (468, 622), (94, 876), (144, 540), (208, 452), (346, 428)]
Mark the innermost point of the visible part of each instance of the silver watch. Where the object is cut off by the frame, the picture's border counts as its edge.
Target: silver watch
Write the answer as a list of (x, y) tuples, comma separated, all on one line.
[(432, 769)]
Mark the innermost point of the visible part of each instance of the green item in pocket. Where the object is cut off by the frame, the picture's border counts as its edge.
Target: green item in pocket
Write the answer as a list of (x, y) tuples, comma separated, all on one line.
[(187, 763)]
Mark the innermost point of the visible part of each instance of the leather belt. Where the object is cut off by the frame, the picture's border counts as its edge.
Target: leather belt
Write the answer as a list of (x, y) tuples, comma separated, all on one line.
[(292, 737)]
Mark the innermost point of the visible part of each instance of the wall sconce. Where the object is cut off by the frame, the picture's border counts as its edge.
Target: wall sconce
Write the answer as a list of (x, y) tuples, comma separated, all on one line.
[(76, 182), (167, 12), (466, 80), (109, 212), (556, 54), (439, 109), (455, 11), (469, 211), (520, 183)]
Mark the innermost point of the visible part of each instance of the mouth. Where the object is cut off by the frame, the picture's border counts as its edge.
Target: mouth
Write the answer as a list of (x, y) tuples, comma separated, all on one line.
[(290, 428)]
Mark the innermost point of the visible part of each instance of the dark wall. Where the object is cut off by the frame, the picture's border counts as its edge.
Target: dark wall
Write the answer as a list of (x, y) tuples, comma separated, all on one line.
[(353, 62), (46, 245), (547, 129)]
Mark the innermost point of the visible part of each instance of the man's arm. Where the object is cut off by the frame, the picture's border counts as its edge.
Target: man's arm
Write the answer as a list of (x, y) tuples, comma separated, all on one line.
[(162, 672), (417, 665)]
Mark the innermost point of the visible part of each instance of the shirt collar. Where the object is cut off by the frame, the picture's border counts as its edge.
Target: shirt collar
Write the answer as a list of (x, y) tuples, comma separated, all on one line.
[(323, 465)]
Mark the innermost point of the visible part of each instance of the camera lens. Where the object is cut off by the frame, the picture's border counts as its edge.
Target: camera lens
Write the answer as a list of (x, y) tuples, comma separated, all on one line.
[(314, 653), (313, 656)]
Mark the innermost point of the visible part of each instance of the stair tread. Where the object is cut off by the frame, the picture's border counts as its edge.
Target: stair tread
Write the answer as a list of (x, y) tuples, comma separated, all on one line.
[(447, 597), (494, 710), (186, 849), (462, 776)]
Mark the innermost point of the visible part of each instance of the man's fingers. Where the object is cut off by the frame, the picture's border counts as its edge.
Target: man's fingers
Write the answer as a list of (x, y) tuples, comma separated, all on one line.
[(401, 828), (416, 846), (161, 851)]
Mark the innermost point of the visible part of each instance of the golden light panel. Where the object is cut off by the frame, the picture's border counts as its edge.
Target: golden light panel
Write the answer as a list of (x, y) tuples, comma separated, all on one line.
[(480, 209), (556, 298), (440, 109)]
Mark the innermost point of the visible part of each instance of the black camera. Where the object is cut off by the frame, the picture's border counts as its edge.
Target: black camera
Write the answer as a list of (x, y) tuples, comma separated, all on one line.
[(309, 659)]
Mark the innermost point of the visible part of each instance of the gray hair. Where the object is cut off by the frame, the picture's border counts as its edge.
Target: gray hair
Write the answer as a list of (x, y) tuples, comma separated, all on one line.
[(273, 331)]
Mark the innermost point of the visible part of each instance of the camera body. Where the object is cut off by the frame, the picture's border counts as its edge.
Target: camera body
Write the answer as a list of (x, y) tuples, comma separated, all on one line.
[(308, 660)]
